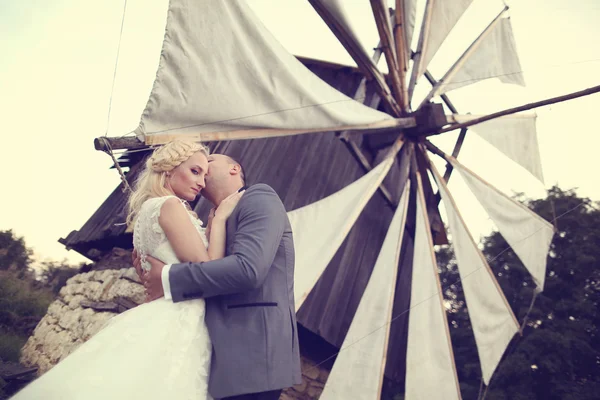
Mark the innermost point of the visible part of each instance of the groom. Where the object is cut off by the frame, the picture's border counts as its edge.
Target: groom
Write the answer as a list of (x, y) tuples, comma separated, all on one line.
[(250, 311)]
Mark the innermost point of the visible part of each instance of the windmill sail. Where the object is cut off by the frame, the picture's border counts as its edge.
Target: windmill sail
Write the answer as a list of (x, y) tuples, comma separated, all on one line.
[(320, 228), (430, 372), (492, 319), (496, 56), (221, 70), (410, 12), (365, 346), (337, 9), (444, 15), (514, 135), (528, 234)]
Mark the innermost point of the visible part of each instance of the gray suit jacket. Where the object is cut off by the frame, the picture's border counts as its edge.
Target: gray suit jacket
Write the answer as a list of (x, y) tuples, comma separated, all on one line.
[(250, 311)]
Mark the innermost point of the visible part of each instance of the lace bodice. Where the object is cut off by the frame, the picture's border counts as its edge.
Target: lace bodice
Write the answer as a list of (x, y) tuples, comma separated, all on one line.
[(150, 239)]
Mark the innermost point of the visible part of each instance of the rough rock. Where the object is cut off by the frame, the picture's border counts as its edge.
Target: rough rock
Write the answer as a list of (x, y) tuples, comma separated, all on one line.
[(313, 381), (84, 305)]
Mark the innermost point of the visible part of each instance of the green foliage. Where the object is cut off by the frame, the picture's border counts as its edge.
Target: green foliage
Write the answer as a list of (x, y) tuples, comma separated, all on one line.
[(14, 254), (24, 299), (558, 356), (56, 274), (21, 298), (22, 305), (10, 346)]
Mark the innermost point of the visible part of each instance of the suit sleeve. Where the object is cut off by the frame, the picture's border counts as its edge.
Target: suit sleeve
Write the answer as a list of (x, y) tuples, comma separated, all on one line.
[(260, 226)]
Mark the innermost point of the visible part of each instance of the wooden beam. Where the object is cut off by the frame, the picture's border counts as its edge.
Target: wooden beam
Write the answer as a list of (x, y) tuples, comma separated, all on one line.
[(402, 51), (382, 20), (385, 126), (360, 94), (436, 150), (444, 97), (455, 151), (462, 59), (449, 167), (349, 141), (366, 165), (459, 141), (358, 154), (355, 50), (524, 107), (104, 143)]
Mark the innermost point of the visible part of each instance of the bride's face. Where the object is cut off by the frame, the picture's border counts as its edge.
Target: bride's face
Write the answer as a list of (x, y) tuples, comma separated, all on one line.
[(187, 180)]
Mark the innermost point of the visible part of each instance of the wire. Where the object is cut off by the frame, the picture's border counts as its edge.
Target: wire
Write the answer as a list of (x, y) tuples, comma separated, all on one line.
[(115, 69)]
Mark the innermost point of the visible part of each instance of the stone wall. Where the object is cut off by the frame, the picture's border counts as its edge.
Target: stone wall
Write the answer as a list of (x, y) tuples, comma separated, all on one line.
[(313, 381), (83, 306)]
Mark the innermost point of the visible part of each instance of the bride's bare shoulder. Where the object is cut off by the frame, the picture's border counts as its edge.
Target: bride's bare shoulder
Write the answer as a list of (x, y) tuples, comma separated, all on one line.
[(172, 208)]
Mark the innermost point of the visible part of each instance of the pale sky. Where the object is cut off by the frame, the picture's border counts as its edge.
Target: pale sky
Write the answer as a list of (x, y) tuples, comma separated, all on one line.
[(57, 66)]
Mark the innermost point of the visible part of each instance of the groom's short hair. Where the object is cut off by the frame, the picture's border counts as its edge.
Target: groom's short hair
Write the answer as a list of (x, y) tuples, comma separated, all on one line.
[(242, 170)]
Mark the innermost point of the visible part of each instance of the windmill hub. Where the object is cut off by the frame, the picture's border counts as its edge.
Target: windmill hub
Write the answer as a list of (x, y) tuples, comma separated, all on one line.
[(429, 118)]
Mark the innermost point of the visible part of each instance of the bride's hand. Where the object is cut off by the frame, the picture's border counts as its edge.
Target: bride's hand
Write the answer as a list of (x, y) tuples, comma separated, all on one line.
[(227, 206)]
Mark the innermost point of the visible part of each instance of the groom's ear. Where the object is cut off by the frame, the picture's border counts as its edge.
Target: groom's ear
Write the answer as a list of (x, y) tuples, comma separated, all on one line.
[(235, 169)]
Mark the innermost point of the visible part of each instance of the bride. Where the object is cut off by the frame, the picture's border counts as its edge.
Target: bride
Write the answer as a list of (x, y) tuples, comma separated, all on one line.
[(160, 349)]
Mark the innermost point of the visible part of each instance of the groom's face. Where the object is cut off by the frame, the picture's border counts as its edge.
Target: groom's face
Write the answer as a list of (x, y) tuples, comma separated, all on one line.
[(219, 171)]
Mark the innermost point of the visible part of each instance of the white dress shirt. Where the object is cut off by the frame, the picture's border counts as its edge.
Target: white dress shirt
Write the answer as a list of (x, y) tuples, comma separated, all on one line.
[(165, 282)]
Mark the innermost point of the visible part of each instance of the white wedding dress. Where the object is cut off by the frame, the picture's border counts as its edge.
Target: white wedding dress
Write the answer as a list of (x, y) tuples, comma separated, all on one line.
[(158, 350)]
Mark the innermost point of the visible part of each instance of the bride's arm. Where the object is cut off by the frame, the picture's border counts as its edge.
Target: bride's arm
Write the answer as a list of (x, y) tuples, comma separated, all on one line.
[(182, 234), (217, 238), (217, 228)]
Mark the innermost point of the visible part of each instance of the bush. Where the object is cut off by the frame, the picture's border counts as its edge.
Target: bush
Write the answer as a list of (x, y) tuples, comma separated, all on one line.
[(10, 346), (22, 306), (14, 254), (20, 299)]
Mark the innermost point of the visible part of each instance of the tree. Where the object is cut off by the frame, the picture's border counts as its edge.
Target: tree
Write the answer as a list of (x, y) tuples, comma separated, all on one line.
[(14, 255), (560, 347), (558, 356), (56, 274)]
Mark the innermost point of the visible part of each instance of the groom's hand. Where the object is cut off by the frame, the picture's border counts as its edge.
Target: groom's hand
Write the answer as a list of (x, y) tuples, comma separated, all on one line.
[(137, 264), (152, 279)]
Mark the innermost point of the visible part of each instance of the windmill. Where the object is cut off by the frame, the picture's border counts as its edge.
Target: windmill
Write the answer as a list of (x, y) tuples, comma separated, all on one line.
[(203, 62)]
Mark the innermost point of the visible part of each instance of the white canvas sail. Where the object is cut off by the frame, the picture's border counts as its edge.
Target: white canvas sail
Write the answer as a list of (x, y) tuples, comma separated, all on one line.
[(492, 319), (338, 9), (514, 135), (528, 234), (495, 57), (320, 228), (410, 12), (444, 16), (430, 372), (365, 347), (221, 70)]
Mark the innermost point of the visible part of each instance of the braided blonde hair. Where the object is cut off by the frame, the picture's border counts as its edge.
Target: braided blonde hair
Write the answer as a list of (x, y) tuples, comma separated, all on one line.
[(151, 181)]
